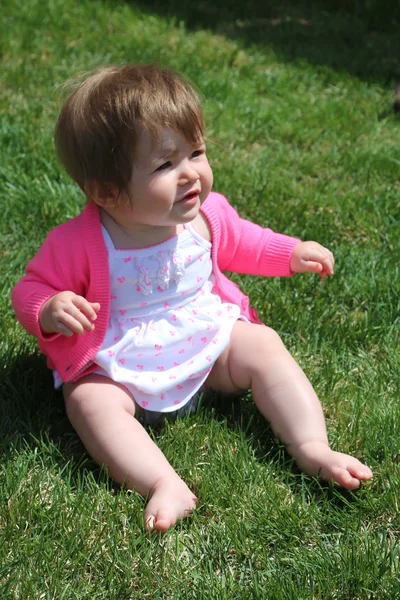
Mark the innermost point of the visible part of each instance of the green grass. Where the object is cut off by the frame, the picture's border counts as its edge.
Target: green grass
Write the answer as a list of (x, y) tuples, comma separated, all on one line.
[(298, 102)]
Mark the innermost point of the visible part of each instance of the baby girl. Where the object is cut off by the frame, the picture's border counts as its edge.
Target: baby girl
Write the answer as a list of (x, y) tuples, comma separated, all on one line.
[(128, 300)]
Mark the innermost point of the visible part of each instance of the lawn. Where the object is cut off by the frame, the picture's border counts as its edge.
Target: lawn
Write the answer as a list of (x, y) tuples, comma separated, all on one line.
[(298, 100)]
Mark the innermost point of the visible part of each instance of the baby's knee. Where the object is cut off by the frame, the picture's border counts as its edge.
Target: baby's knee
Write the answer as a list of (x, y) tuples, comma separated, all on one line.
[(266, 339), (78, 406), (94, 395)]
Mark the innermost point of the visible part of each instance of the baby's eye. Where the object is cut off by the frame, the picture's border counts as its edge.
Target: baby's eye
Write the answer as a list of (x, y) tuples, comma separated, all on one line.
[(197, 152), (164, 166)]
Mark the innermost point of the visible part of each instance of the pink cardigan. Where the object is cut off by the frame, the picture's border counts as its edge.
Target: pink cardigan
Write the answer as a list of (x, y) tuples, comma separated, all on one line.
[(74, 257)]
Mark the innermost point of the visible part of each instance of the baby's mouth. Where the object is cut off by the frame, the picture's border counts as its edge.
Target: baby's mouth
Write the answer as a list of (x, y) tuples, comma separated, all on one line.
[(190, 195)]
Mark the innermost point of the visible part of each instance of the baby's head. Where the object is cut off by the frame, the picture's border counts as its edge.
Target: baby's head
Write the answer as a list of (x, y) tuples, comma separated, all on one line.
[(99, 125)]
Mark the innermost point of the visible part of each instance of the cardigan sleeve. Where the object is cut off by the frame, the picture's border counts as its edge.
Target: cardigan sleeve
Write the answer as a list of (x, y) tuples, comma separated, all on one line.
[(245, 247), (44, 277)]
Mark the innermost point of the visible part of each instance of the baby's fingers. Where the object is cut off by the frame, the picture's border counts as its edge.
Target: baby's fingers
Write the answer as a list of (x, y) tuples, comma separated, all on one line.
[(76, 316), (89, 309), (69, 323), (313, 267), (328, 263), (63, 329), (96, 308)]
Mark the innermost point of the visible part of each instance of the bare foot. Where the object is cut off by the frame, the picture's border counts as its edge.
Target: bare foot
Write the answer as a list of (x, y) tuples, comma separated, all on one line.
[(316, 458), (170, 500)]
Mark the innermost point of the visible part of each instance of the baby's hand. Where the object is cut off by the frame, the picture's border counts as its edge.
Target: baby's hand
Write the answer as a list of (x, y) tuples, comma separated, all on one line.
[(311, 257), (68, 313)]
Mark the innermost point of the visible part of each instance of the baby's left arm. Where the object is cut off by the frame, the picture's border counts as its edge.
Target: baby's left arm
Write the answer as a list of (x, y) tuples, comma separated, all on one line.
[(311, 257)]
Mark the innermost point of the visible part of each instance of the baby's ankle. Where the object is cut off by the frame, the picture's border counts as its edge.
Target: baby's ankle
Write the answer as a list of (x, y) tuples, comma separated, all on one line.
[(311, 455), (165, 481), (309, 448)]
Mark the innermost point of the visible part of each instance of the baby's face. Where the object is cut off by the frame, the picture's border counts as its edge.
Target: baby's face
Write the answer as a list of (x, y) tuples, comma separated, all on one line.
[(170, 180)]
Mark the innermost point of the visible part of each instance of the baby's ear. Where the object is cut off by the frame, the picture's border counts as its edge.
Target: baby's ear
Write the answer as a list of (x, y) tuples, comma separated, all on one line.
[(101, 192)]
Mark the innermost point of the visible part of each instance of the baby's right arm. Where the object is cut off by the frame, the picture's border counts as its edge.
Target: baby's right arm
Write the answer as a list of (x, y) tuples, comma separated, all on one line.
[(67, 313), (44, 300)]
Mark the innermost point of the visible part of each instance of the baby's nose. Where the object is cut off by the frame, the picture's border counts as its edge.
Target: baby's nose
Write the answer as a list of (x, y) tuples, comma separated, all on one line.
[(189, 173)]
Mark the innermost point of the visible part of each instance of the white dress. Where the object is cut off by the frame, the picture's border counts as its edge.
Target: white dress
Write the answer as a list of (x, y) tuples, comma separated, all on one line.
[(166, 328)]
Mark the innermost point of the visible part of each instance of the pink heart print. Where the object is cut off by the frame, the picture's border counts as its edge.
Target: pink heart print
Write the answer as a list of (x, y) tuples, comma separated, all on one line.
[(121, 361), (121, 279), (126, 260)]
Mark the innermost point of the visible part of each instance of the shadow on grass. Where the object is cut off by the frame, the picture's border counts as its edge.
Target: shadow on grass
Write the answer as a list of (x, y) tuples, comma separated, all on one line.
[(241, 412), (358, 37), (32, 416)]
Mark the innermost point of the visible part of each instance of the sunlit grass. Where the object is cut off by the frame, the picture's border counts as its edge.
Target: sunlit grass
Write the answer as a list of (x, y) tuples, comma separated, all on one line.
[(305, 147)]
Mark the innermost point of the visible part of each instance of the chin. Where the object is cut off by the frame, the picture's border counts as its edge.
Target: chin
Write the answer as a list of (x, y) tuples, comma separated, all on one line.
[(190, 212)]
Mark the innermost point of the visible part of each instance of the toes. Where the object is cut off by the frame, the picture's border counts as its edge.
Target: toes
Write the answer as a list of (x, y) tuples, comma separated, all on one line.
[(345, 470), (159, 524), (164, 520), (344, 478), (350, 475), (360, 471), (149, 523)]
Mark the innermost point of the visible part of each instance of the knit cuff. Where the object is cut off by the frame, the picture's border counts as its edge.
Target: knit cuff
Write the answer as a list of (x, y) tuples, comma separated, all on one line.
[(277, 257)]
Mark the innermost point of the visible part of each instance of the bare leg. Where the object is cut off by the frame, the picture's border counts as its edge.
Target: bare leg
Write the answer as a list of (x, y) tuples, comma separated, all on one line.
[(256, 359), (102, 413)]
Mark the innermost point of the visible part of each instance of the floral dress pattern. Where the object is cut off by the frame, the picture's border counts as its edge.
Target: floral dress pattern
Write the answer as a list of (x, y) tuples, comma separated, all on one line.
[(167, 327)]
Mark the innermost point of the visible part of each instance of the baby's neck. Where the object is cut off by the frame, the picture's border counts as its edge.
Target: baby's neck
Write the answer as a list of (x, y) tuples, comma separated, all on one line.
[(140, 236)]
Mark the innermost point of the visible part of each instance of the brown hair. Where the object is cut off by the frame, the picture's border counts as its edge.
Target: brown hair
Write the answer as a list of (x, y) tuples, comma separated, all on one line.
[(99, 124)]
